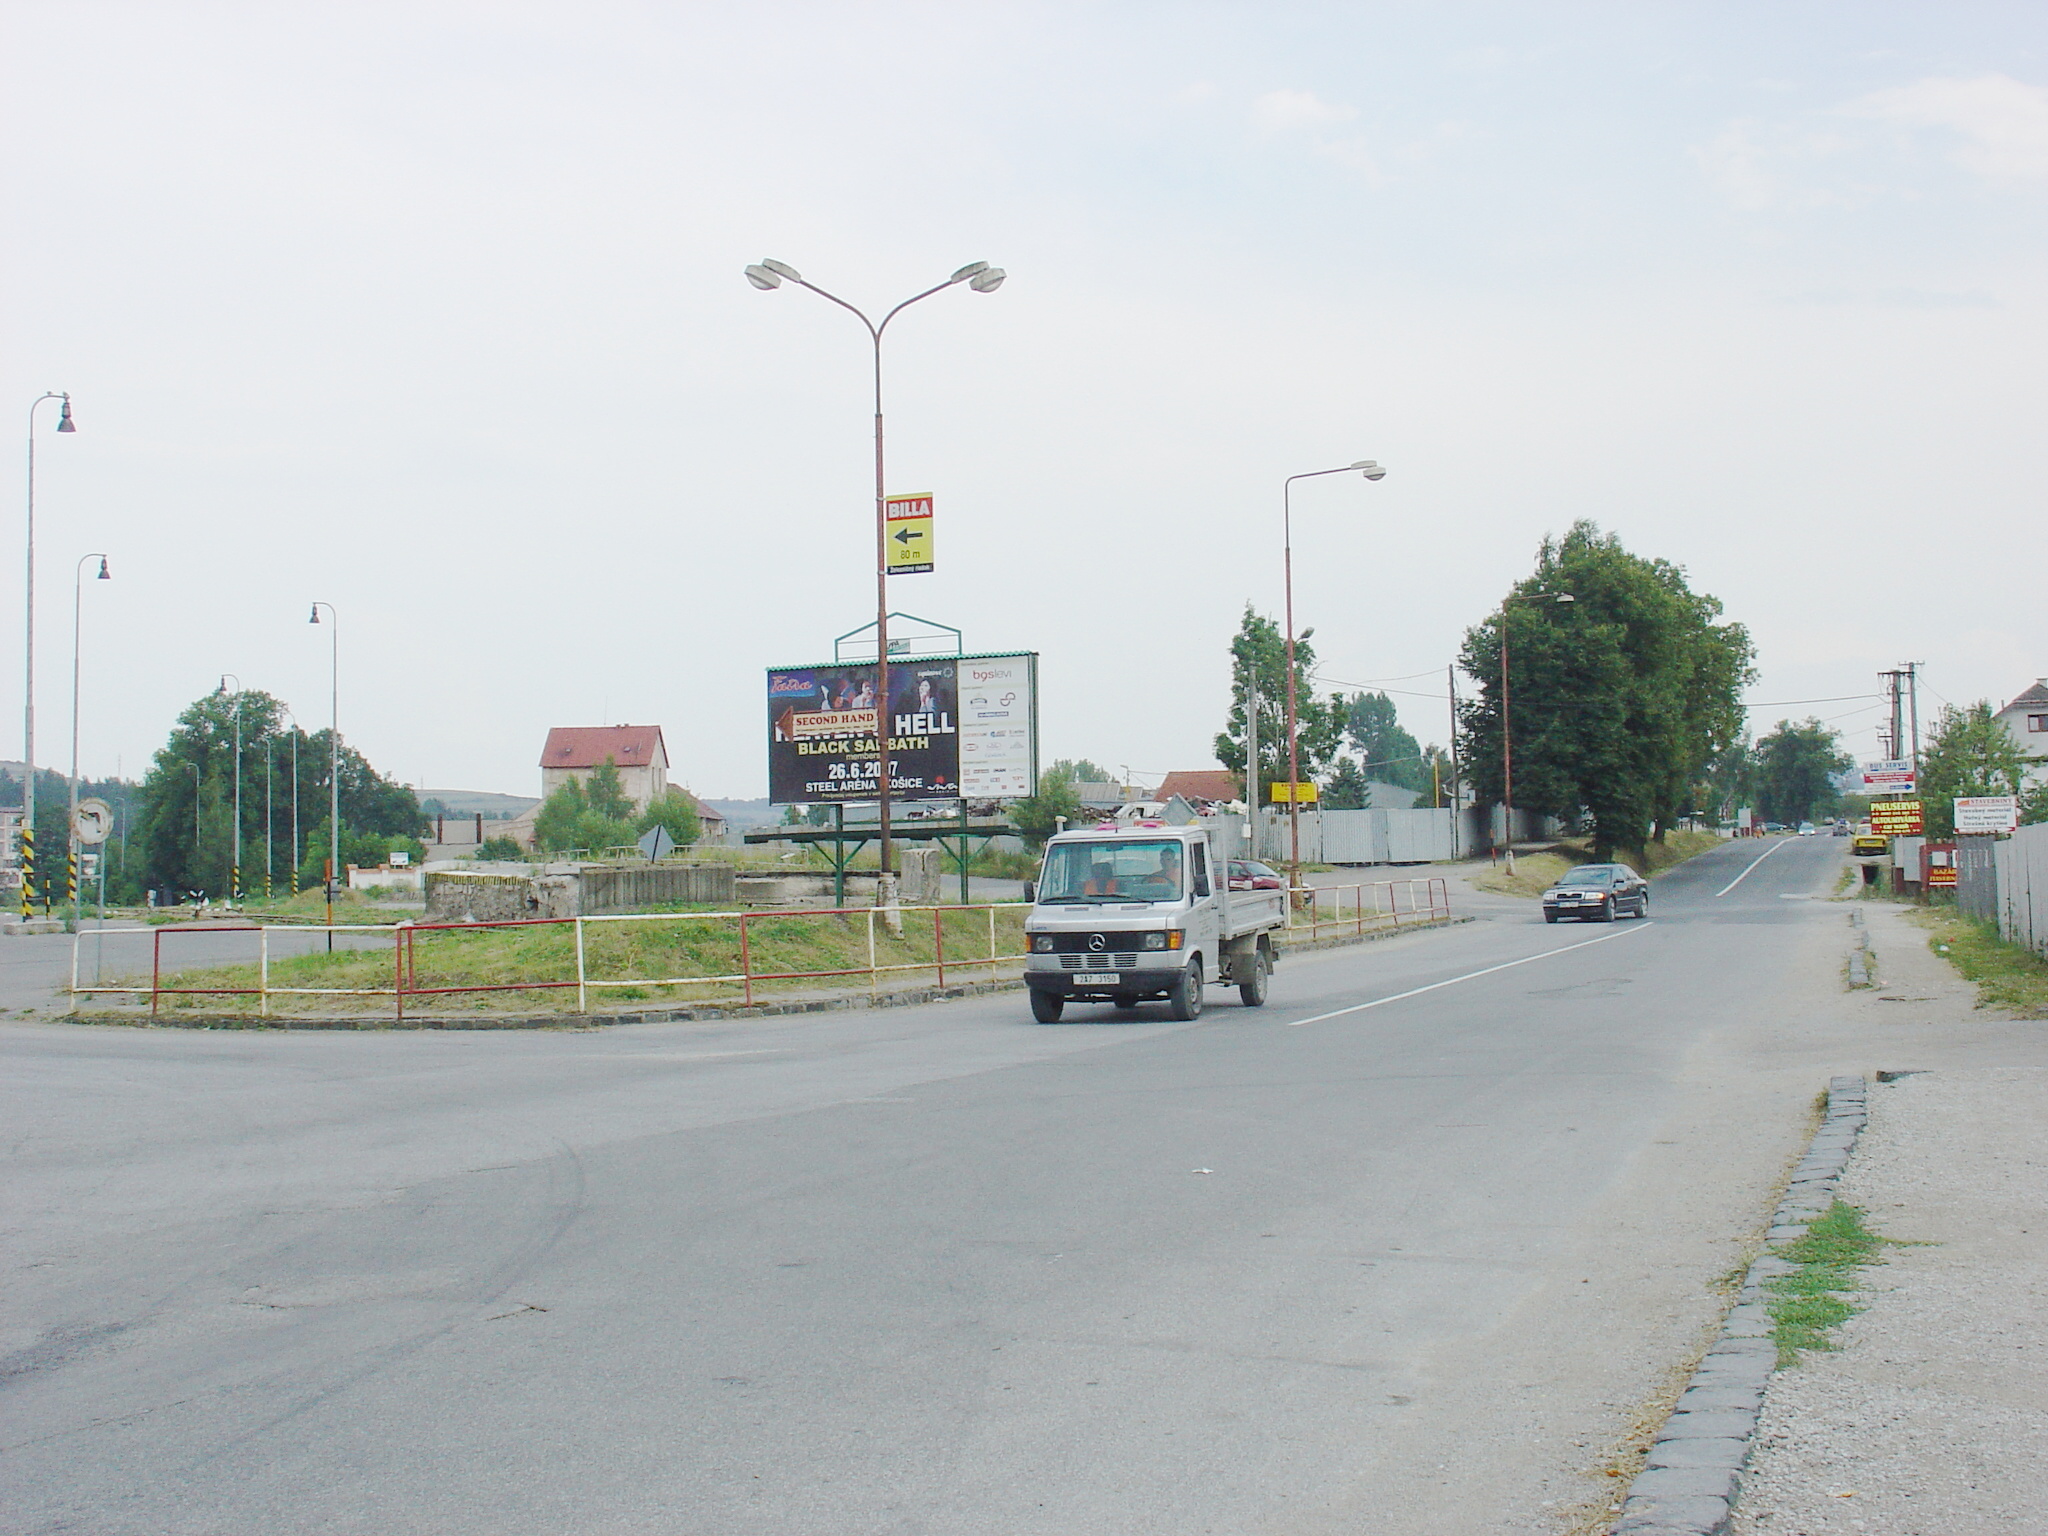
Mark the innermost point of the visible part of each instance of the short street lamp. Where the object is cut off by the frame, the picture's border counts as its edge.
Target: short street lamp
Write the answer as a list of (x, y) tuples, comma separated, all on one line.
[(28, 690), (1371, 471), (1507, 751), (71, 827), (982, 278)]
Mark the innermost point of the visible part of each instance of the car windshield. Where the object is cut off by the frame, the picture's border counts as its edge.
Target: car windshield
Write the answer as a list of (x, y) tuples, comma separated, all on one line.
[(1589, 874), (1246, 869), (1112, 871)]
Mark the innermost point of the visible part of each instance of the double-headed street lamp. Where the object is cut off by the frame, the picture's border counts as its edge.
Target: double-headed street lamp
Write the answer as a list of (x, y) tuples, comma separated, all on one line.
[(333, 759), (28, 691), (71, 824), (1371, 471), (982, 278), (1507, 751)]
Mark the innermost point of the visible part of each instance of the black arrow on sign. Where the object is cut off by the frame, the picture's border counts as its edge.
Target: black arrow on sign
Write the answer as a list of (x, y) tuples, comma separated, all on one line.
[(904, 535)]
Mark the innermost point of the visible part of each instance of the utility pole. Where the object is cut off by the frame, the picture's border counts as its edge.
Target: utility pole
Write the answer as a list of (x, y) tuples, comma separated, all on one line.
[(1251, 756), (1451, 676)]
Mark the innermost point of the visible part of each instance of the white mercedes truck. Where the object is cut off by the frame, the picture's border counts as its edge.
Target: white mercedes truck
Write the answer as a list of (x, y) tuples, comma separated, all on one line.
[(1126, 913)]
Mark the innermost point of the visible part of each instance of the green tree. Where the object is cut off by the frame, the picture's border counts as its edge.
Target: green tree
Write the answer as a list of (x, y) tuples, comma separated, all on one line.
[(1259, 660), (1620, 698), (2034, 805), (675, 810), (1968, 753), (1346, 789), (568, 820), (1794, 773), (1037, 817), (500, 847), (605, 795), (1080, 770), (1386, 751), (362, 849), (1435, 774)]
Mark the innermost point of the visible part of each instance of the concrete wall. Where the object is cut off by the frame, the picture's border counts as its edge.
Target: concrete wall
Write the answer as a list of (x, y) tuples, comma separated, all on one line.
[(630, 888), (456, 896)]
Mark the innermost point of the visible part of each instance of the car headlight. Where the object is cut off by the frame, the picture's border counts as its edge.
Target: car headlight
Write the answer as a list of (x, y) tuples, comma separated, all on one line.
[(1041, 943), (1155, 941)]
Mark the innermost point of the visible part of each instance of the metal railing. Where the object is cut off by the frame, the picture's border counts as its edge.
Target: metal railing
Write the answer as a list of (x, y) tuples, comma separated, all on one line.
[(1384, 903), (983, 953)]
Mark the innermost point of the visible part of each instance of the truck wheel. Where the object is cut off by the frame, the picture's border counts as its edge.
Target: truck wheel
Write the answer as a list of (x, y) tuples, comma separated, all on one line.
[(1046, 1007), (1184, 1002), (1252, 990)]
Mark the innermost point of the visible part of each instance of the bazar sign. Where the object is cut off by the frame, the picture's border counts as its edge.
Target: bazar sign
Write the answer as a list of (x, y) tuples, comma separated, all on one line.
[(1987, 813), (1894, 777), (1897, 818)]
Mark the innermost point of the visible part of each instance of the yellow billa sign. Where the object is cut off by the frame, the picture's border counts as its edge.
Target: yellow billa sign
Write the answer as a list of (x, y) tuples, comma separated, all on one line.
[(907, 534), (1302, 794)]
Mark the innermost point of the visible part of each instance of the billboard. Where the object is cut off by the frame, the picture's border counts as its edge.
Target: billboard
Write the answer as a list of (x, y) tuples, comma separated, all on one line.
[(1893, 777), (959, 726), (1987, 813), (1896, 818)]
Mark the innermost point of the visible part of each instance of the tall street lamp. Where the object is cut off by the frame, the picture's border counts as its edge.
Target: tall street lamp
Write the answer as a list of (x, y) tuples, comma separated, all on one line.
[(333, 758), (235, 867), (982, 278), (1371, 471), (71, 824), (1507, 751), (28, 692)]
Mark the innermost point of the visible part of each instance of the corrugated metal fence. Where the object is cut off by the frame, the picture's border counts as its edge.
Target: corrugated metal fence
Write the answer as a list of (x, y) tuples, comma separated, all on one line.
[(2005, 880)]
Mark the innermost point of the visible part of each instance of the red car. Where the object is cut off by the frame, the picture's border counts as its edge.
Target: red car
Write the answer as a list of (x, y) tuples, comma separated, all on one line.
[(1251, 875)]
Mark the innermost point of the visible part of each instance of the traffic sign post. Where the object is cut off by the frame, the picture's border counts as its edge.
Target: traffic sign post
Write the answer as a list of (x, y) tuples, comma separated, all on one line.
[(909, 537)]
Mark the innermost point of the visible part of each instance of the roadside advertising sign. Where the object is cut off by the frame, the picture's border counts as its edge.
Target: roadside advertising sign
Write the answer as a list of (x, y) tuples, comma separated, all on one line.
[(1285, 793), (1893, 777), (1938, 867), (1896, 818), (959, 725), (1987, 813), (907, 534)]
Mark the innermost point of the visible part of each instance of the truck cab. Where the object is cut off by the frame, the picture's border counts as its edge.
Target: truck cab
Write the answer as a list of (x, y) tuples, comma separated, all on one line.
[(1124, 913)]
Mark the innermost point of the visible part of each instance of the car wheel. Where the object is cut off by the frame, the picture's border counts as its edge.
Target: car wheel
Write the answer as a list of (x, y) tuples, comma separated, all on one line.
[(1550, 917), (1184, 1002), (1046, 1007), (1643, 906), (1607, 912), (1252, 990)]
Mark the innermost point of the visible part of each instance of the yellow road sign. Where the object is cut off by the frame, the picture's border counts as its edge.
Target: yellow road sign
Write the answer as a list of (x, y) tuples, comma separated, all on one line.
[(1284, 793), (907, 534)]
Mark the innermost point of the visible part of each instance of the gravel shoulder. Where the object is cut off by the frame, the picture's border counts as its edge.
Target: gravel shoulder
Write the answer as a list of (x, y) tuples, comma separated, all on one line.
[(1932, 1416)]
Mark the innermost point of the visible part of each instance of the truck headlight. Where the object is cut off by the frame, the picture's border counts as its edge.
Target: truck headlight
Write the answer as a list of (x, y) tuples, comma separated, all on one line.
[(1041, 943), (1170, 940)]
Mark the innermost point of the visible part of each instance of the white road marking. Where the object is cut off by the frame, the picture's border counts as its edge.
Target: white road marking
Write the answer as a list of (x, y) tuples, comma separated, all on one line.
[(1506, 965), (1752, 865)]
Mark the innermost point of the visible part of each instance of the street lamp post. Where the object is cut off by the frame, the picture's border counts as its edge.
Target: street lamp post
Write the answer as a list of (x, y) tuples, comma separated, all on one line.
[(28, 691), (1371, 471), (1507, 753), (982, 278), (71, 824), (235, 867), (333, 758)]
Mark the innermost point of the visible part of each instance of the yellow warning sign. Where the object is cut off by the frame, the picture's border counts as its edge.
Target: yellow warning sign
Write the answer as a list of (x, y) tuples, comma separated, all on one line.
[(907, 534)]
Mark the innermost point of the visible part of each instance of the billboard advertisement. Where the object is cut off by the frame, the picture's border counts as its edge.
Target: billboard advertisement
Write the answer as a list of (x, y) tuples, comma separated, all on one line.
[(1896, 818), (1987, 813), (958, 725)]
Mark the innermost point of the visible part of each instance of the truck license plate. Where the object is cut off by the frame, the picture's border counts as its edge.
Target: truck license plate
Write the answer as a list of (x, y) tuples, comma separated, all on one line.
[(1096, 979)]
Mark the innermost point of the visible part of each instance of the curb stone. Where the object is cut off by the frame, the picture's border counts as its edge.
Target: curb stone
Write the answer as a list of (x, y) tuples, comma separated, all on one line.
[(683, 1014), (1694, 1473)]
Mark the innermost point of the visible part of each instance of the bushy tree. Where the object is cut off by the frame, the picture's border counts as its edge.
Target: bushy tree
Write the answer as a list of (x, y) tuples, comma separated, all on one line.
[(1259, 655), (1794, 771), (1620, 698), (568, 820), (1346, 789), (675, 810), (1967, 753), (1386, 752), (365, 850), (500, 847), (1081, 770), (1037, 817)]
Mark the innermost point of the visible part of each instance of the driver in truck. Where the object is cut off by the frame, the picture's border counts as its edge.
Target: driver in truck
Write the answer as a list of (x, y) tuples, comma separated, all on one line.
[(1163, 883), (1100, 881)]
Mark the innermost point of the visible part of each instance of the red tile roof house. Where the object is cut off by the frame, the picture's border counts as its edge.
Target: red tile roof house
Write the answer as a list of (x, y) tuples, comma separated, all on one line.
[(640, 755), (1196, 785)]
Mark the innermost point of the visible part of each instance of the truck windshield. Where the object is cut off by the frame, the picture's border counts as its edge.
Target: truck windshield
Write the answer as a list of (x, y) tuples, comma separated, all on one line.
[(1112, 871)]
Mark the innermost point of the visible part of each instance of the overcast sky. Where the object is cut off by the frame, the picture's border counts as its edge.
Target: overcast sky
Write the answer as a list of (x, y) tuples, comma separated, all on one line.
[(434, 311)]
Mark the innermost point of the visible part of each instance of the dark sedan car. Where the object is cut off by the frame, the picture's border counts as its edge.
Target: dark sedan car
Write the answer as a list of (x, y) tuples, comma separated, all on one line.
[(1601, 892)]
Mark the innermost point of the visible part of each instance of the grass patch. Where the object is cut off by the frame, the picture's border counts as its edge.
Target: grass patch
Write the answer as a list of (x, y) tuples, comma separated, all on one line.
[(1813, 1300), (1536, 872), (2008, 976), (644, 961)]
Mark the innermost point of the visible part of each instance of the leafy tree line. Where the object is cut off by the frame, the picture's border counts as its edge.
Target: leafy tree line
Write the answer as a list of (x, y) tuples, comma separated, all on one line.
[(184, 835)]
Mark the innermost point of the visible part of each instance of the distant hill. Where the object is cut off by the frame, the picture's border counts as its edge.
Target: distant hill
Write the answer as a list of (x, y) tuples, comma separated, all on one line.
[(470, 802), (741, 814)]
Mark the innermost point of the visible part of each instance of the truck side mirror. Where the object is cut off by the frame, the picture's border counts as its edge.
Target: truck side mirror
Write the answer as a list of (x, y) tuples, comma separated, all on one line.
[(1031, 890), (1202, 883)]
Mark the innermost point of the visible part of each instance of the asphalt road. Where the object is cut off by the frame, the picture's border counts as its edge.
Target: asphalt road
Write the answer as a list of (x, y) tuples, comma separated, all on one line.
[(1398, 1253)]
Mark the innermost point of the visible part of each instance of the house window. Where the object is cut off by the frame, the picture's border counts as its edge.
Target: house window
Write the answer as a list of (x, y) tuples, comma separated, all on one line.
[(2037, 722)]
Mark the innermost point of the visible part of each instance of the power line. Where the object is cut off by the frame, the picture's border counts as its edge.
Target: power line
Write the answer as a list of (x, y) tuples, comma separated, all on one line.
[(1840, 698)]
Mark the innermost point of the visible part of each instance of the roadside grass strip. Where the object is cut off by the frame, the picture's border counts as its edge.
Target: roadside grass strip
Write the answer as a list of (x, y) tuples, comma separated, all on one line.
[(1536, 872), (2008, 976), (1812, 1299)]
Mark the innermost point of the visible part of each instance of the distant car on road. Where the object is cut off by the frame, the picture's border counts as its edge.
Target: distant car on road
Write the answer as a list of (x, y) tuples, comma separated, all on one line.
[(1866, 846), (1841, 829), (1597, 891), (1807, 829)]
